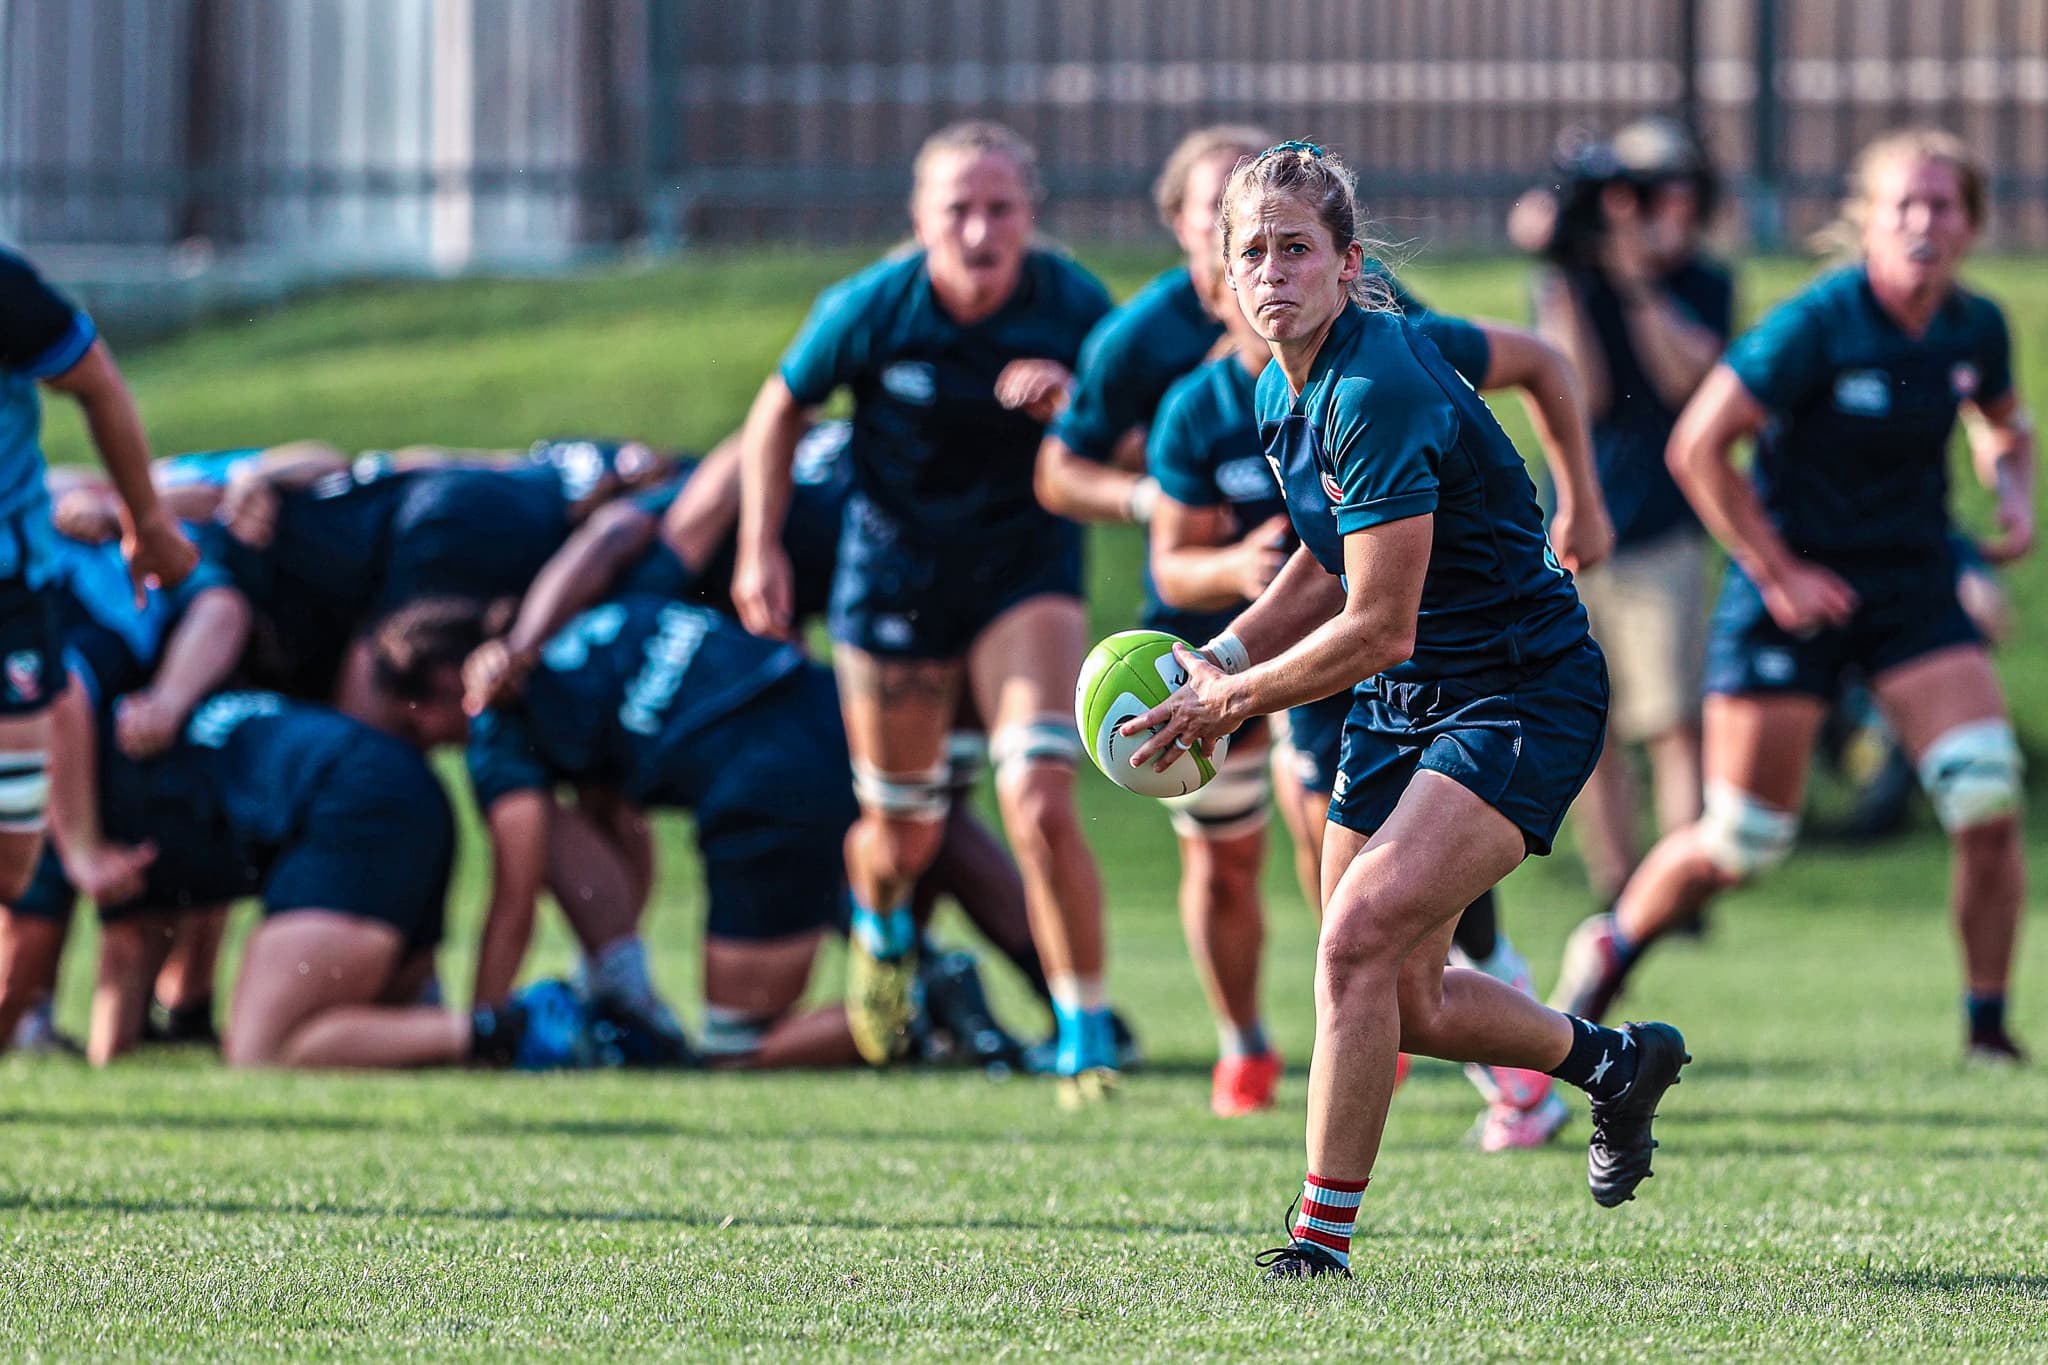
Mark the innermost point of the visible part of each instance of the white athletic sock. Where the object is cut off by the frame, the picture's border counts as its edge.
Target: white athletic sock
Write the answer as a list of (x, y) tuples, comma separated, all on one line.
[(619, 971)]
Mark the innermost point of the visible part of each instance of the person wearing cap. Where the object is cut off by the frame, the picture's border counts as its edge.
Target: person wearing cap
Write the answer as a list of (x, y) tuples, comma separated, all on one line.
[(1643, 314)]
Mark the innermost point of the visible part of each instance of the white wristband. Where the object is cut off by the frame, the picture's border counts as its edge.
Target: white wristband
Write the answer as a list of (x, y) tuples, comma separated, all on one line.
[(1144, 497), (1229, 653)]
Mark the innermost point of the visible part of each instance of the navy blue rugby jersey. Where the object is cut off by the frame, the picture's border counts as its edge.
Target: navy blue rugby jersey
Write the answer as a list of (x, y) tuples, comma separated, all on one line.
[(1161, 333), (822, 478), (1204, 450), (1385, 430), (1130, 361), (932, 447), (615, 694), (1855, 459), (42, 335)]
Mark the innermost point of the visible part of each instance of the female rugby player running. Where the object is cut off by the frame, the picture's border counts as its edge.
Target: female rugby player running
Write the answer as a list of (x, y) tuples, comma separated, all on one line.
[(1214, 481), (949, 572), (1841, 558), (1423, 568)]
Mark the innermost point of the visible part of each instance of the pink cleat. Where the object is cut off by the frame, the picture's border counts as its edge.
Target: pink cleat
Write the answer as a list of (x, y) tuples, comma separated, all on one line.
[(1504, 1129)]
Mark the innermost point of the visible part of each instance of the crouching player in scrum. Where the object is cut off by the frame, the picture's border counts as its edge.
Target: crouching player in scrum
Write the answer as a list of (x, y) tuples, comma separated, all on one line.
[(1424, 569), (348, 838), (672, 706)]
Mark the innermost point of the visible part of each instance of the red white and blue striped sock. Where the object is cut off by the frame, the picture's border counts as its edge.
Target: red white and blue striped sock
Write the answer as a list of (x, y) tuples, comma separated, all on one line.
[(1329, 1209)]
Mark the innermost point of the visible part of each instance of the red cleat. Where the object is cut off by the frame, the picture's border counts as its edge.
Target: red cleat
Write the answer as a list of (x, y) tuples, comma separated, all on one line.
[(1244, 1085)]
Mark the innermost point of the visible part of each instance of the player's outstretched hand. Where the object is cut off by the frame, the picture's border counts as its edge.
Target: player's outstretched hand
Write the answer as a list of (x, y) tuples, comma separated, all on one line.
[(2015, 529), (1805, 598), (1036, 388), (111, 874), (86, 515), (1195, 716), (248, 508), (1261, 555), (145, 724), (763, 591), (493, 673), (158, 554), (1582, 536)]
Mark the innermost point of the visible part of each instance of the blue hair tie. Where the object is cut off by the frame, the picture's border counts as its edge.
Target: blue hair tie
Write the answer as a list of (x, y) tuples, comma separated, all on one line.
[(1294, 146)]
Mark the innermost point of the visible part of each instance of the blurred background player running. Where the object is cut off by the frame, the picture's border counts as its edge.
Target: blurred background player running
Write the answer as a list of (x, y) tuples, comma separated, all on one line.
[(1842, 557), (949, 574)]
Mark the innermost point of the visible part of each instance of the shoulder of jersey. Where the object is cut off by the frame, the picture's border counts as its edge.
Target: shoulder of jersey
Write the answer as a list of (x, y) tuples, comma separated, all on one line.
[(885, 280), (1074, 281)]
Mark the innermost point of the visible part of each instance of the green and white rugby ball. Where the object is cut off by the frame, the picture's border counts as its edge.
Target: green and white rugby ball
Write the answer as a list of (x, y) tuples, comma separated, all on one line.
[(1125, 676)]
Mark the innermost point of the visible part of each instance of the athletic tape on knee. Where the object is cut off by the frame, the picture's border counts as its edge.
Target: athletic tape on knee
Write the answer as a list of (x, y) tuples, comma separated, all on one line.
[(966, 759), (1972, 773), (1236, 801), (1744, 836), (730, 1032), (24, 790), (1047, 739), (914, 796)]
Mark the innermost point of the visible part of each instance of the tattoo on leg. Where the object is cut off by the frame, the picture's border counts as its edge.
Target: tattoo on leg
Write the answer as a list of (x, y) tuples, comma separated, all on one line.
[(905, 682)]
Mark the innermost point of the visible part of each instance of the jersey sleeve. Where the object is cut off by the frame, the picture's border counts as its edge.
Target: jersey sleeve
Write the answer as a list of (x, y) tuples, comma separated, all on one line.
[(834, 342), (1385, 438), (1783, 360), (502, 758), (1176, 449), (41, 334), (1994, 352), (1711, 299), (1109, 397), (1463, 344)]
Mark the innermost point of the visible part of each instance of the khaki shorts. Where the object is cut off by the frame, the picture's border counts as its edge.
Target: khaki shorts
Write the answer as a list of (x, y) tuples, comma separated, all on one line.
[(1648, 609)]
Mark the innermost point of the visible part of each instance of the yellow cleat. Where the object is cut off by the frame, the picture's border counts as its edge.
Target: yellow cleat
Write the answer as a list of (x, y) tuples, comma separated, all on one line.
[(1093, 1086), (878, 1005)]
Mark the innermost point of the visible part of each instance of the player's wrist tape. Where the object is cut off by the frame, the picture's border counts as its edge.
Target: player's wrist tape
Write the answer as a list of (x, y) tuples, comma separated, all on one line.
[(1229, 653), (1144, 497)]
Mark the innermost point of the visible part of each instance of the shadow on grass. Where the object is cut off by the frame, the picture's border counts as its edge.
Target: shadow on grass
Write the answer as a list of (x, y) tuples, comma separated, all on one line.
[(681, 1218), (1946, 1282), (1203, 1134)]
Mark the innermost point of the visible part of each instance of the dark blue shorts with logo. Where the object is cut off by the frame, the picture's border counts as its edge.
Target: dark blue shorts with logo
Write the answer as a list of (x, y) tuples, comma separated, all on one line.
[(771, 788), (31, 650), (1315, 738), (896, 595), (1906, 608), (1523, 741)]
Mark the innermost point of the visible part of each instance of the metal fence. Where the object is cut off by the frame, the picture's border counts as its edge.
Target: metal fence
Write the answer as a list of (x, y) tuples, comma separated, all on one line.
[(443, 134)]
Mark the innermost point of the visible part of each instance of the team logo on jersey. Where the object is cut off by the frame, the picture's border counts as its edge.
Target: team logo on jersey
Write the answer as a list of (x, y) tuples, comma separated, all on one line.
[(1245, 479), (1963, 380), (893, 631), (1773, 666), (24, 670), (1864, 393), (911, 380)]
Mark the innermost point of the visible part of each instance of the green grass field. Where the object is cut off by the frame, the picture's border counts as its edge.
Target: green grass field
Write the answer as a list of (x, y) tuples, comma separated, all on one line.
[(1833, 1184)]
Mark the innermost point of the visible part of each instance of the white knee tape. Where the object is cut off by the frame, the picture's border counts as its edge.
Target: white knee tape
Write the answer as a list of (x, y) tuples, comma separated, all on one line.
[(910, 796), (1046, 739), (729, 1033), (24, 791), (1744, 836), (1972, 774), (966, 759), (1236, 801)]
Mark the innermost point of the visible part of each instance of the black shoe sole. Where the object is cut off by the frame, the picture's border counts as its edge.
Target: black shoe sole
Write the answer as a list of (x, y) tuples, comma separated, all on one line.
[(1620, 1189)]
